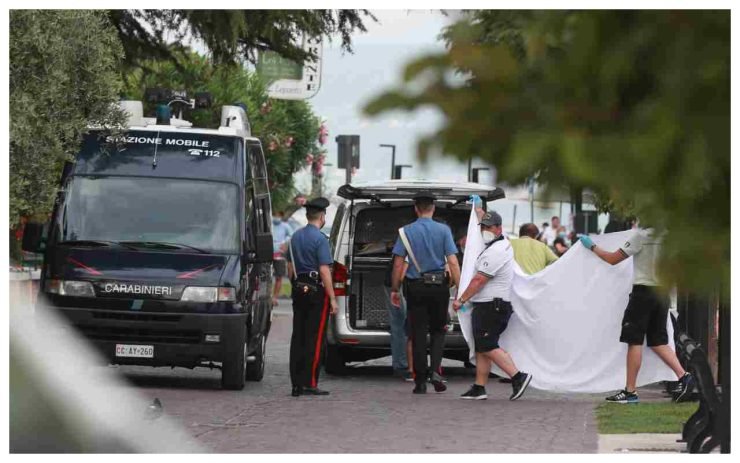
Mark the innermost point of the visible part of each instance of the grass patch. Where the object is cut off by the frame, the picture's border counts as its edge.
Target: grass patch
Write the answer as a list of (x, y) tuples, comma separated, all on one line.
[(655, 417)]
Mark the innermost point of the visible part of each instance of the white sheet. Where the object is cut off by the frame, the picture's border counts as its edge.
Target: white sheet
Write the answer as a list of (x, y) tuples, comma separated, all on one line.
[(567, 319)]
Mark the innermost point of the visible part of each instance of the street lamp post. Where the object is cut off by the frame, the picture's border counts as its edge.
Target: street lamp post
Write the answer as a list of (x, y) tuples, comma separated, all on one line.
[(393, 157), (398, 170), (476, 173)]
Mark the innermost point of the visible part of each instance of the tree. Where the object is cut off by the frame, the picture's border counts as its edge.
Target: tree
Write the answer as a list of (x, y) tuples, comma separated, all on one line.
[(289, 130), (63, 77), (230, 35), (634, 104)]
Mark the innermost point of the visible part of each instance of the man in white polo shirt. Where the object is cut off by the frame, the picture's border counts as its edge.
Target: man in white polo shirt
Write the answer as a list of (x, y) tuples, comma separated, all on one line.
[(489, 291), (646, 314)]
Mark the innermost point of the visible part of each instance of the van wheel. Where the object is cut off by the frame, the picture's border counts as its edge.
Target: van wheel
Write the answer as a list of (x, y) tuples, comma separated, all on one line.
[(256, 369), (335, 362), (235, 363)]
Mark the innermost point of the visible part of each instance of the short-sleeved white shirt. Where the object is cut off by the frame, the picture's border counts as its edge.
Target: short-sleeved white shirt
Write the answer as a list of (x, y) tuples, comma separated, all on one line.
[(496, 262), (644, 247), (549, 236)]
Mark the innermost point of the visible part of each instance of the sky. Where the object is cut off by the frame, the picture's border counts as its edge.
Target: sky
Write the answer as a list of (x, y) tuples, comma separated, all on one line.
[(349, 81)]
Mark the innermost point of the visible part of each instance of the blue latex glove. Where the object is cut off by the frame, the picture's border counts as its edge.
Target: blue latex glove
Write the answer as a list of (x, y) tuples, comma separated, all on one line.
[(586, 241), (477, 202)]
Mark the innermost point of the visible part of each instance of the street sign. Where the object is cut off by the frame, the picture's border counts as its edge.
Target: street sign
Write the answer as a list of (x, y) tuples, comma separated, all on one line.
[(271, 67), (288, 80)]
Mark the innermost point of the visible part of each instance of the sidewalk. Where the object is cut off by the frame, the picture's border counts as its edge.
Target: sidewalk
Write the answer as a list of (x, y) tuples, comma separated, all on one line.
[(640, 443)]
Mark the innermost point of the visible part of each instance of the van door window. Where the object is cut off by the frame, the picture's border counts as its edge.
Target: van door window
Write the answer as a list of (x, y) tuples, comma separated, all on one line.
[(264, 215), (250, 214), (334, 235), (258, 167)]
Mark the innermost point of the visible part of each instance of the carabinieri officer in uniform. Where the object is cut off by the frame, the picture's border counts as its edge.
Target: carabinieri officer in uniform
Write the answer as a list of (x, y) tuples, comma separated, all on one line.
[(428, 244), (313, 298)]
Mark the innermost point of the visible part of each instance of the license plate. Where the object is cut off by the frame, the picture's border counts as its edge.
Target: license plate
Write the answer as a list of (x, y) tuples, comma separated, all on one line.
[(134, 350)]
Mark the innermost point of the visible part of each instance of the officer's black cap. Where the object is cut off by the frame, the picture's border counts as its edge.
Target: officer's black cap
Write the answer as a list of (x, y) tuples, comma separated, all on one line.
[(424, 196), (491, 219), (317, 203)]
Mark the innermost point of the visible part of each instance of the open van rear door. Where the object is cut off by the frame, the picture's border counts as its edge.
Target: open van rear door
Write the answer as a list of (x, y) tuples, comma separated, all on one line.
[(405, 189)]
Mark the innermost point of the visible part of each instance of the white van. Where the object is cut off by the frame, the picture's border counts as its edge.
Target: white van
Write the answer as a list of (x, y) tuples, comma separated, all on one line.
[(364, 230)]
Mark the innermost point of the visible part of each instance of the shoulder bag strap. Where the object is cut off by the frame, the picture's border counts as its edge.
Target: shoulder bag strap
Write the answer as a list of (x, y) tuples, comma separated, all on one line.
[(407, 245), (292, 257), (501, 237)]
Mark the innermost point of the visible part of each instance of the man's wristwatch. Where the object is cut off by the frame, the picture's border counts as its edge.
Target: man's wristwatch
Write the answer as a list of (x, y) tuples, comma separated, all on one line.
[(461, 301)]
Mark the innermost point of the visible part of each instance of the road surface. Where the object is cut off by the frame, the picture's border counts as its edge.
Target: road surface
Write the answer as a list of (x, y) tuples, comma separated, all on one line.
[(368, 411)]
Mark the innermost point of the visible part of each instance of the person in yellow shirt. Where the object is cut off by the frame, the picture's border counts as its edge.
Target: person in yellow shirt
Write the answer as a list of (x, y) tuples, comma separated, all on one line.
[(531, 255)]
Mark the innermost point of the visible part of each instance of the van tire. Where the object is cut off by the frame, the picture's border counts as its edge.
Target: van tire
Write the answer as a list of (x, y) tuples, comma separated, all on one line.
[(234, 365), (256, 369), (335, 363)]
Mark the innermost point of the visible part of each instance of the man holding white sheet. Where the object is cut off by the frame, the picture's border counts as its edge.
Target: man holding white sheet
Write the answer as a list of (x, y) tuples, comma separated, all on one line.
[(489, 291), (646, 314)]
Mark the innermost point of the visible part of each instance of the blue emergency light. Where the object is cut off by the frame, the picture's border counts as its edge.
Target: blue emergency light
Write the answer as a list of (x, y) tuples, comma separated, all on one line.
[(163, 114)]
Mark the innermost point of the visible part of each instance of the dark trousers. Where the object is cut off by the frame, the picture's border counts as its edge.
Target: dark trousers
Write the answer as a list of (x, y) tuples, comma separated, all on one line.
[(427, 312), (309, 327)]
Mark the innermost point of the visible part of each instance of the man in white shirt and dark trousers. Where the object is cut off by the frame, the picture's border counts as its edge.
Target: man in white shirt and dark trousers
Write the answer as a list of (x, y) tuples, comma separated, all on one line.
[(646, 314), (489, 292)]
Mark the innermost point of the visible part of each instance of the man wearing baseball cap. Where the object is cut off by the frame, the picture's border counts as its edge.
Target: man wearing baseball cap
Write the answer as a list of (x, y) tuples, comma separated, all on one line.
[(489, 292)]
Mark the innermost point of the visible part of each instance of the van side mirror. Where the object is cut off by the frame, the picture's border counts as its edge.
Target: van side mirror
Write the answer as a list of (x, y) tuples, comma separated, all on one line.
[(262, 251), (264, 247), (33, 237)]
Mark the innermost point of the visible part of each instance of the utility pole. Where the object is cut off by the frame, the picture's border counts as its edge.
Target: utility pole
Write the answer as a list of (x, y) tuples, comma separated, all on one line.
[(393, 157), (530, 182)]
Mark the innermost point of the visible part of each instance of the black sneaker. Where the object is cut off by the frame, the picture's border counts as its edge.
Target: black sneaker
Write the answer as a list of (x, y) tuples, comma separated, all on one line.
[(685, 387), (420, 388), (296, 391), (408, 377), (475, 392), (439, 374), (314, 391), (624, 397), (436, 381), (519, 384)]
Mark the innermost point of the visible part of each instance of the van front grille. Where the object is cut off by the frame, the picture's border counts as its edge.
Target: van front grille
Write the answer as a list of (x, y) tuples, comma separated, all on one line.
[(139, 335), (139, 317)]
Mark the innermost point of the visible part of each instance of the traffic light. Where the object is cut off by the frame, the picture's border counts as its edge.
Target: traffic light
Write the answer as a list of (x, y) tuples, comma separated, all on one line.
[(348, 151)]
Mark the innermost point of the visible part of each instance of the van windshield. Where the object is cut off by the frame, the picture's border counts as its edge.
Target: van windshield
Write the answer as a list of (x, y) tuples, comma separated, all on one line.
[(190, 213), (161, 154)]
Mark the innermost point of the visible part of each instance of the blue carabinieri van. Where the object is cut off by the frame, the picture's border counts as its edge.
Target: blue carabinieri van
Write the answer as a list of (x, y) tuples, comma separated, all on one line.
[(159, 248)]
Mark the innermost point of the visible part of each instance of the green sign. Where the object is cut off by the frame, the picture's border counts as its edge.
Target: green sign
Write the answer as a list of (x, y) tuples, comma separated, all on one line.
[(271, 67)]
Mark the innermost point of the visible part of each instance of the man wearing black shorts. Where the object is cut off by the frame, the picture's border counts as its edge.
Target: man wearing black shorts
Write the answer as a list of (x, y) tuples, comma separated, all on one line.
[(646, 314), (489, 291)]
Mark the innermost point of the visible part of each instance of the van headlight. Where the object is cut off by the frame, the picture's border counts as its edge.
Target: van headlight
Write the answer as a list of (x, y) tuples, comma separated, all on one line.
[(70, 288), (208, 294)]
